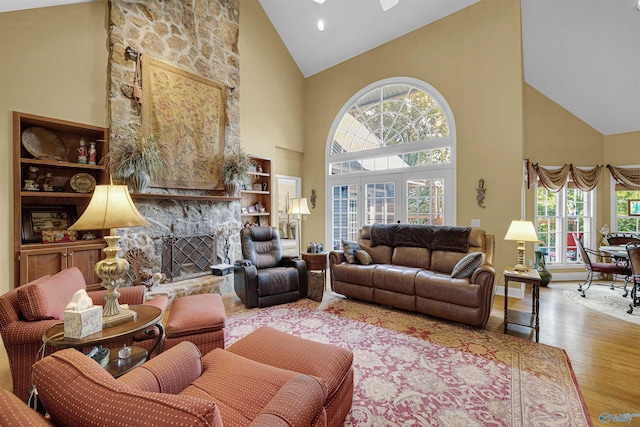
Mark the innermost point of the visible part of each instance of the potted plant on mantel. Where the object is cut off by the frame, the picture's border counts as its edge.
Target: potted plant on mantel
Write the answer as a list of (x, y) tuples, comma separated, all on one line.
[(137, 158), (234, 167)]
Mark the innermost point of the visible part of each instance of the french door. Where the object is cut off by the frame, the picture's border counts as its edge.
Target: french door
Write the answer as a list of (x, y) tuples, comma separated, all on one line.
[(424, 197)]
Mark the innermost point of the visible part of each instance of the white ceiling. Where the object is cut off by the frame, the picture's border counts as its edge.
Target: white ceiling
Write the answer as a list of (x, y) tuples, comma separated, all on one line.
[(582, 54)]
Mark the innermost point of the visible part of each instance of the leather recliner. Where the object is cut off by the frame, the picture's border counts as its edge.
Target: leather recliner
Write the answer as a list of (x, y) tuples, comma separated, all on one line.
[(264, 277)]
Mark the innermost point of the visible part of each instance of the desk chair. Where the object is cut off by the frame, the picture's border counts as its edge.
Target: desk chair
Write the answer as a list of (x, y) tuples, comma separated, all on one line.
[(613, 268), (633, 250)]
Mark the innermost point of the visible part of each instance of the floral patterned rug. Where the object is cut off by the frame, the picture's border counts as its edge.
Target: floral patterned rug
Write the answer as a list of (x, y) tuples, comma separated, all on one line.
[(411, 370)]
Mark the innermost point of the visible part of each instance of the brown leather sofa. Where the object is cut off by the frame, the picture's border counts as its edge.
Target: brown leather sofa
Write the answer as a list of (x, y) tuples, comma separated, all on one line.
[(249, 384), (416, 275)]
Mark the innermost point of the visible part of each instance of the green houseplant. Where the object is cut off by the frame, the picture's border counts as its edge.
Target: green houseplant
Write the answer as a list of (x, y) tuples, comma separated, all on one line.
[(137, 158), (234, 166)]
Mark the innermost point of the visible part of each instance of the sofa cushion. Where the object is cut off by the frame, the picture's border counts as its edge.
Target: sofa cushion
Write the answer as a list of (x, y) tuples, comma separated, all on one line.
[(350, 248), (379, 254), (411, 257), (47, 298), (363, 257), (467, 265)]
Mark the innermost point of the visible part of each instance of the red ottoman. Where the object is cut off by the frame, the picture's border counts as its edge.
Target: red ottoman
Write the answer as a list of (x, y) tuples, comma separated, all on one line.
[(199, 319), (331, 363)]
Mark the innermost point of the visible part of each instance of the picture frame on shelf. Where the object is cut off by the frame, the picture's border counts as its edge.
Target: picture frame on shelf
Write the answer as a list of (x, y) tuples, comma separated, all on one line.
[(251, 209), (243, 210), (39, 218), (263, 221)]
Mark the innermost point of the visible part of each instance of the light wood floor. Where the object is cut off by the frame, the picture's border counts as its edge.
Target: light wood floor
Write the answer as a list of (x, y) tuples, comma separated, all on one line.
[(604, 351)]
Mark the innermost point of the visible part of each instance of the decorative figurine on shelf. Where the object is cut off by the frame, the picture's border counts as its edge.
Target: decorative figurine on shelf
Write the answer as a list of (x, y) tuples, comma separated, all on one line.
[(47, 182), (31, 184), (265, 186), (92, 153), (82, 152)]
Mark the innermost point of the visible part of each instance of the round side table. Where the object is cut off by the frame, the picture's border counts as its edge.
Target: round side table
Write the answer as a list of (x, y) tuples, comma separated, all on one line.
[(316, 274)]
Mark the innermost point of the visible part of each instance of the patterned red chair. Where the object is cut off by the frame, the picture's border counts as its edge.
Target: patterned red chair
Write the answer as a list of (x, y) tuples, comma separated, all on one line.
[(29, 310), (178, 387)]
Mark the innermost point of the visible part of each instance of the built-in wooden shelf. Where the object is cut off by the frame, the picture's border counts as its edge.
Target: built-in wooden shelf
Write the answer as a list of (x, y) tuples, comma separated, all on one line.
[(55, 194), (59, 164), (184, 197)]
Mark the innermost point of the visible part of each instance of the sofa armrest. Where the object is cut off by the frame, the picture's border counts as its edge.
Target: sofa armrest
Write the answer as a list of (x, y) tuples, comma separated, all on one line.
[(169, 372), (301, 266), (15, 413), (297, 403), (336, 257), (245, 277), (128, 295), (484, 276), (23, 332)]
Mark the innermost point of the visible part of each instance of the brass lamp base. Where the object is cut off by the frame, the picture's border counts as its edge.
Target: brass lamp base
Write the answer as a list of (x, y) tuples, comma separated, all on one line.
[(520, 265), (110, 270)]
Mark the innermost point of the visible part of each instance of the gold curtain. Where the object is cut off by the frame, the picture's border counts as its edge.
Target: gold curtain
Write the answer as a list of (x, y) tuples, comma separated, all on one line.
[(629, 178), (555, 179)]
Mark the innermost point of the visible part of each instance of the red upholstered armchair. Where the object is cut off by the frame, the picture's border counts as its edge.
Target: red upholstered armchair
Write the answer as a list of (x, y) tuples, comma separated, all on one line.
[(28, 311), (178, 387)]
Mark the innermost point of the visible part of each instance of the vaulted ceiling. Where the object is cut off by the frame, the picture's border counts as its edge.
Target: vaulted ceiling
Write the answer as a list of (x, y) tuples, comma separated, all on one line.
[(582, 54)]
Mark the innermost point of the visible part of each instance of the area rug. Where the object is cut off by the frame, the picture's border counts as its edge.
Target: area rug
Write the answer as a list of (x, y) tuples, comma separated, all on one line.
[(411, 370), (607, 301)]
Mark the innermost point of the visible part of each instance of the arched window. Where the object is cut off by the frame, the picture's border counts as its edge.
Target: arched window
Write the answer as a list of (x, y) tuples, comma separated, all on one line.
[(391, 158)]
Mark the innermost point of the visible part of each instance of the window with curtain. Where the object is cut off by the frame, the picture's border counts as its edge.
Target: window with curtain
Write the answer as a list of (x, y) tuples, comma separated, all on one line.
[(626, 187), (565, 207)]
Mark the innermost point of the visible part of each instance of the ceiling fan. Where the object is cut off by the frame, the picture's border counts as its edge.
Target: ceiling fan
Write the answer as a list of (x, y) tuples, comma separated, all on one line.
[(385, 4)]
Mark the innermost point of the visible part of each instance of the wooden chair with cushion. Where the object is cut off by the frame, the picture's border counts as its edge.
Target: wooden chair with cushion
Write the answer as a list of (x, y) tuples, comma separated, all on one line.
[(29, 310), (264, 277)]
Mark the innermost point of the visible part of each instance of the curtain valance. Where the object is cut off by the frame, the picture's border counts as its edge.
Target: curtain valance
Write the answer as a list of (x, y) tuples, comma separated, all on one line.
[(627, 177), (554, 179)]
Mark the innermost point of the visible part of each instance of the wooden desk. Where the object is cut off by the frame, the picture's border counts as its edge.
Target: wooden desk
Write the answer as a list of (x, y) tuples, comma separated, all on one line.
[(148, 316), (530, 320)]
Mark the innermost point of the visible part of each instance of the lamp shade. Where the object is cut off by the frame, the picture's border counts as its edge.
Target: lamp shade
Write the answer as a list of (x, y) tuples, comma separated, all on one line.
[(298, 206), (521, 231), (110, 207)]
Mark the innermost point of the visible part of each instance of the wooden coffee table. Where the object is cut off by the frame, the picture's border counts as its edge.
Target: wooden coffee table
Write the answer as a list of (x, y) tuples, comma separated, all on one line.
[(148, 316)]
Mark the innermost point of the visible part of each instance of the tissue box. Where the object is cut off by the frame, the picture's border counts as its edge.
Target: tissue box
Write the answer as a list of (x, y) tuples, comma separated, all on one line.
[(79, 324)]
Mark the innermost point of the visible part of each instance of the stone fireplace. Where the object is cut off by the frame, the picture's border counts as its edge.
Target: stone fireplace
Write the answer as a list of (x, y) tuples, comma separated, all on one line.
[(200, 37)]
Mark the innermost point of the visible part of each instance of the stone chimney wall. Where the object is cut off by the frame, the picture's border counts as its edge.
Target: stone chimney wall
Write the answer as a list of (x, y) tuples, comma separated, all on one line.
[(200, 36)]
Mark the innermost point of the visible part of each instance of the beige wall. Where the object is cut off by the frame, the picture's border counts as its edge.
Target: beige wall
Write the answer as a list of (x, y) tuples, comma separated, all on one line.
[(271, 101), (473, 58), (53, 62)]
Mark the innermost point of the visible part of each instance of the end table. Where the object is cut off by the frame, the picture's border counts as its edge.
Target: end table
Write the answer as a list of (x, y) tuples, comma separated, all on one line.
[(316, 273), (529, 320)]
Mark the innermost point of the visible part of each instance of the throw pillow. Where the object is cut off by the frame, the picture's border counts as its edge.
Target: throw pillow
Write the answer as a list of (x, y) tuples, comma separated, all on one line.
[(363, 257), (47, 298), (350, 248), (467, 265)]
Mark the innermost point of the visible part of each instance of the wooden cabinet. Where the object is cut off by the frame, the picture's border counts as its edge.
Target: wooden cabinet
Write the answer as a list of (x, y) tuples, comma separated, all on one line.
[(256, 195), (39, 261), (51, 190)]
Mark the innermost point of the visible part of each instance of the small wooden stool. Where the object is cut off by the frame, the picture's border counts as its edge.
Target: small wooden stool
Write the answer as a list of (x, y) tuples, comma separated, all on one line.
[(199, 319)]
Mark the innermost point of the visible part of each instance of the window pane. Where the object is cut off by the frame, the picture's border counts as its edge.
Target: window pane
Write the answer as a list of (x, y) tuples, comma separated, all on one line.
[(380, 203), (624, 221), (344, 216), (425, 202)]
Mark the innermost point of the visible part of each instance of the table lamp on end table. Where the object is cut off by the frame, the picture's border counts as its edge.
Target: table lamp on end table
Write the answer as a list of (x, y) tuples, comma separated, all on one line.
[(111, 207), (521, 231)]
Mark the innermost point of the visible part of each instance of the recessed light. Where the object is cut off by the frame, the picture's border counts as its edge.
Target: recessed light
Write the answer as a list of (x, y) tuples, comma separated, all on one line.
[(319, 1), (320, 24)]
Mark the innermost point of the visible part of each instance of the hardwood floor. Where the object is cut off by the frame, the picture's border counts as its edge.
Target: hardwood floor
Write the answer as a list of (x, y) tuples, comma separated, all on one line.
[(604, 351)]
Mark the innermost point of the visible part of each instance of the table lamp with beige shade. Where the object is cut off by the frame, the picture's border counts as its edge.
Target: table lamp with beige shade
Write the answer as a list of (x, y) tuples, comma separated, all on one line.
[(521, 231), (298, 207), (111, 207)]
